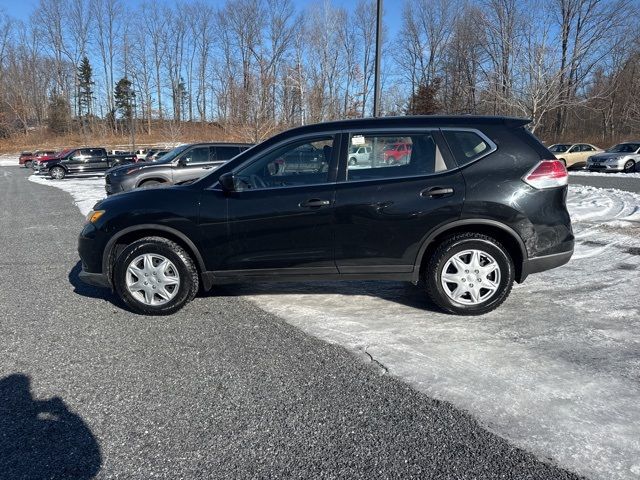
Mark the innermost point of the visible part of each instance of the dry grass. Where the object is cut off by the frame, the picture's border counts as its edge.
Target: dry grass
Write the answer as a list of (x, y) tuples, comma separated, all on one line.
[(166, 134)]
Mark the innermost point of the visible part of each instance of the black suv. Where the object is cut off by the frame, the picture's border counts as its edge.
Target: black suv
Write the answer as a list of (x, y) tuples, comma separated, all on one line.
[(479, 204)]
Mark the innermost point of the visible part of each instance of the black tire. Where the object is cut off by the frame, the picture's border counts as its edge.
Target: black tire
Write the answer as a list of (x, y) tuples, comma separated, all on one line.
[(455, 244), (150, 184), (353, 161), (629, 166), (28, 164), (187, 271), (57, 173)]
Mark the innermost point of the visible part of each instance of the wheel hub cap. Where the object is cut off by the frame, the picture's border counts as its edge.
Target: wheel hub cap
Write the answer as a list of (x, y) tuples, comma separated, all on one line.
[(470, 277), (152, 279)]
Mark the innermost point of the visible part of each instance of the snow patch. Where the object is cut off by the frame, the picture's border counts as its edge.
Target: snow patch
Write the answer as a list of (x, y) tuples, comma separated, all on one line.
[(86, 191), (9, 160), (586, 173)]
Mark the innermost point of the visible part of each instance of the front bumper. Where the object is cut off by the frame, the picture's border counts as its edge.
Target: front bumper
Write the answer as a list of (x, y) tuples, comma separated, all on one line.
[(95, 279), (605, 167)]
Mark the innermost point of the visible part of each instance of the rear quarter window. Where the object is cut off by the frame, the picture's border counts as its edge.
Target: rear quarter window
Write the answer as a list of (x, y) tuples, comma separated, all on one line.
[(467, 145)]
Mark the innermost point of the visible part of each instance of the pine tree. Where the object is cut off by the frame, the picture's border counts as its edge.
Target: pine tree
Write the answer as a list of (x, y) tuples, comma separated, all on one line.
[(85, 84), (125, 98)]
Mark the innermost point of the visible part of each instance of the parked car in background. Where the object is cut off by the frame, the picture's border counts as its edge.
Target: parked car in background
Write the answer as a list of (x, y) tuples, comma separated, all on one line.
[(574, 155), (397, 153), (81, 161), (183, 163), (439, 220), (155, 155), (359, 155), (28, 158), (41, 164), (623, 157)]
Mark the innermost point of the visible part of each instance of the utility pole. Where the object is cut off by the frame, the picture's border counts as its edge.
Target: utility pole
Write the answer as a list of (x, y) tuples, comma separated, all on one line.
[(376, 81)]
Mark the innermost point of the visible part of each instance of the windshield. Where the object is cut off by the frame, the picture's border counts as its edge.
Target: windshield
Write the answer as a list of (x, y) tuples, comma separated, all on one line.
[(560, 148), (172, 154), (624, 148)]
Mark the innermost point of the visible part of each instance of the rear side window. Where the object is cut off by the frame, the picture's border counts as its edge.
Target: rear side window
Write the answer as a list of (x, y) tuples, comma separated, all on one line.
[(467, 145), (226, 153), (395, 155)]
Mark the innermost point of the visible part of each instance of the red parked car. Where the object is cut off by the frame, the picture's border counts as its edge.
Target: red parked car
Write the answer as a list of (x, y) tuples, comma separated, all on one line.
[(28, 159), (397, 153), (41, 162)]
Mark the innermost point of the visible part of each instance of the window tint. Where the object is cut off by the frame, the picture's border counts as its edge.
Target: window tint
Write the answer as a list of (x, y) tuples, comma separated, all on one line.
[(197, 155), (390, 156), (300, 163), (226, 153), (466, 145)]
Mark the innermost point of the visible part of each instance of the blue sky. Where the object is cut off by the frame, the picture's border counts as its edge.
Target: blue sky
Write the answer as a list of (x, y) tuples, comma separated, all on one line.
[(22, 9)]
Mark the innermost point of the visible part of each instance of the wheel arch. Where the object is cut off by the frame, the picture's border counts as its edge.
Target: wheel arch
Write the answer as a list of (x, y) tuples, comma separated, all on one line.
[(131, 234), (508, 237), (152, 178)]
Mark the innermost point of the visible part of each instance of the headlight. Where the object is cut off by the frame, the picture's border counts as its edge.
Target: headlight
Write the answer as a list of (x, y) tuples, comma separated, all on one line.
[(615, 159), (94, 215)]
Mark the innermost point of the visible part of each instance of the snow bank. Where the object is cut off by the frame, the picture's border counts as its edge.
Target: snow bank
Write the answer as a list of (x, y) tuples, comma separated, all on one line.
[(9, 160)]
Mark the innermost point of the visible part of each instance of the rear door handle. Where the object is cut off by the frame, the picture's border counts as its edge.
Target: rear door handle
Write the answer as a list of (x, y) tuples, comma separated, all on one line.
[(437, 192), (314, 203)]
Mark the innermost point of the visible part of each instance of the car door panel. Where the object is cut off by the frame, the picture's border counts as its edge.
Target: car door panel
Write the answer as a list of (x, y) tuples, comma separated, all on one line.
[(381, 223)]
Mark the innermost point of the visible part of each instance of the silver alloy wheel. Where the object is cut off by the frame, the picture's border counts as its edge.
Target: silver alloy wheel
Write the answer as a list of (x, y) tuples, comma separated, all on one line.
[(57, 173), (152, 279), (470, 277)]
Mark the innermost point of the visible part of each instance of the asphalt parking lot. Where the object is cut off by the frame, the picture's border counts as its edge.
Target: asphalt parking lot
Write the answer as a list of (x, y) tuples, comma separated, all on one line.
[(221, 389)]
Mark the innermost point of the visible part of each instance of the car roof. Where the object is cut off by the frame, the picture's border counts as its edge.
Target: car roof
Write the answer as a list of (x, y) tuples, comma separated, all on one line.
[(413, 121)]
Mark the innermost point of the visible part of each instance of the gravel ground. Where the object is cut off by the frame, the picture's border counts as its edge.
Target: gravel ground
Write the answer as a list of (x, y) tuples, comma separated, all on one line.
[(221, 389)]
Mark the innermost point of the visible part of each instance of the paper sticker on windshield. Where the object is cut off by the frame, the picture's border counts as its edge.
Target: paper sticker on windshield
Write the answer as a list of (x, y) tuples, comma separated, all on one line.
[(357, 140)]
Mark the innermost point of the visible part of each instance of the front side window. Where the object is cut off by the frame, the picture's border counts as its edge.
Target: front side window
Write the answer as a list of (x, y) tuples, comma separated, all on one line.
[(197, 155), (305, 162), (466, 145), (393, 155)]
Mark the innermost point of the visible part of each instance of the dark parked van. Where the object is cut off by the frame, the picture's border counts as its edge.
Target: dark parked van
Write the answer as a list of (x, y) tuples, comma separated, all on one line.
[(477, 204)]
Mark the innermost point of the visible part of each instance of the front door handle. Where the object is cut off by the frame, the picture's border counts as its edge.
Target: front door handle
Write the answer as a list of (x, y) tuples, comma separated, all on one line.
[(437, 192), (314, 203), (207, 167)]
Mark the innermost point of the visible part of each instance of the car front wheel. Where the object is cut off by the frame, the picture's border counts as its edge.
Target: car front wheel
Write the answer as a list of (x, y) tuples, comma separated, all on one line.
[(629, 166), (155, 276), (57, 173), (469, 274)]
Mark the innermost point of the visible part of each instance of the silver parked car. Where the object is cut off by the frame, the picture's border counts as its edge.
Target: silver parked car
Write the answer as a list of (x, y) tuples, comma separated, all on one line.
[(623, 157)]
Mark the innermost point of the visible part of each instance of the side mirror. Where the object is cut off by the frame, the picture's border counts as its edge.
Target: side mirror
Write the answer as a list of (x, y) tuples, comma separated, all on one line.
[(227, 182), (182, 162)]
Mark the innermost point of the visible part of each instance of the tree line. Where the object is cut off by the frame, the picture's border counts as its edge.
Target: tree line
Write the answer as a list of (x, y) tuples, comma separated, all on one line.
[(260, 66)]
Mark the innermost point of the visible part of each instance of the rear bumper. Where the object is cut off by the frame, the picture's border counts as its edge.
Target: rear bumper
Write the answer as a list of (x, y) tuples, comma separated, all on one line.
[(95, 279), (547, 262)]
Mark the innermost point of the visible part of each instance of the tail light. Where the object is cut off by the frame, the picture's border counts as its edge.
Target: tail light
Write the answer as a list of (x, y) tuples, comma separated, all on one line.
[(547, 174)]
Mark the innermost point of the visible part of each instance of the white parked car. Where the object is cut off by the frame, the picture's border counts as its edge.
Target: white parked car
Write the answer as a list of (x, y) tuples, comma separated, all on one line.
[(574, 155), (359, 155), (624, 157)]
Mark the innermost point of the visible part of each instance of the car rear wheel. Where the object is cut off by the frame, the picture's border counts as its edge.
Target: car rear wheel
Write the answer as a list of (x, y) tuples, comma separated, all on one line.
[(155, 276), (28, 163), (629, 166), (57, 173), (469, 274)]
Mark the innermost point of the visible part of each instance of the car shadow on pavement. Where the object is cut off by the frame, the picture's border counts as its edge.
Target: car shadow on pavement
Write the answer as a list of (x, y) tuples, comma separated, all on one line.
[(399, 292), (42, 439)]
